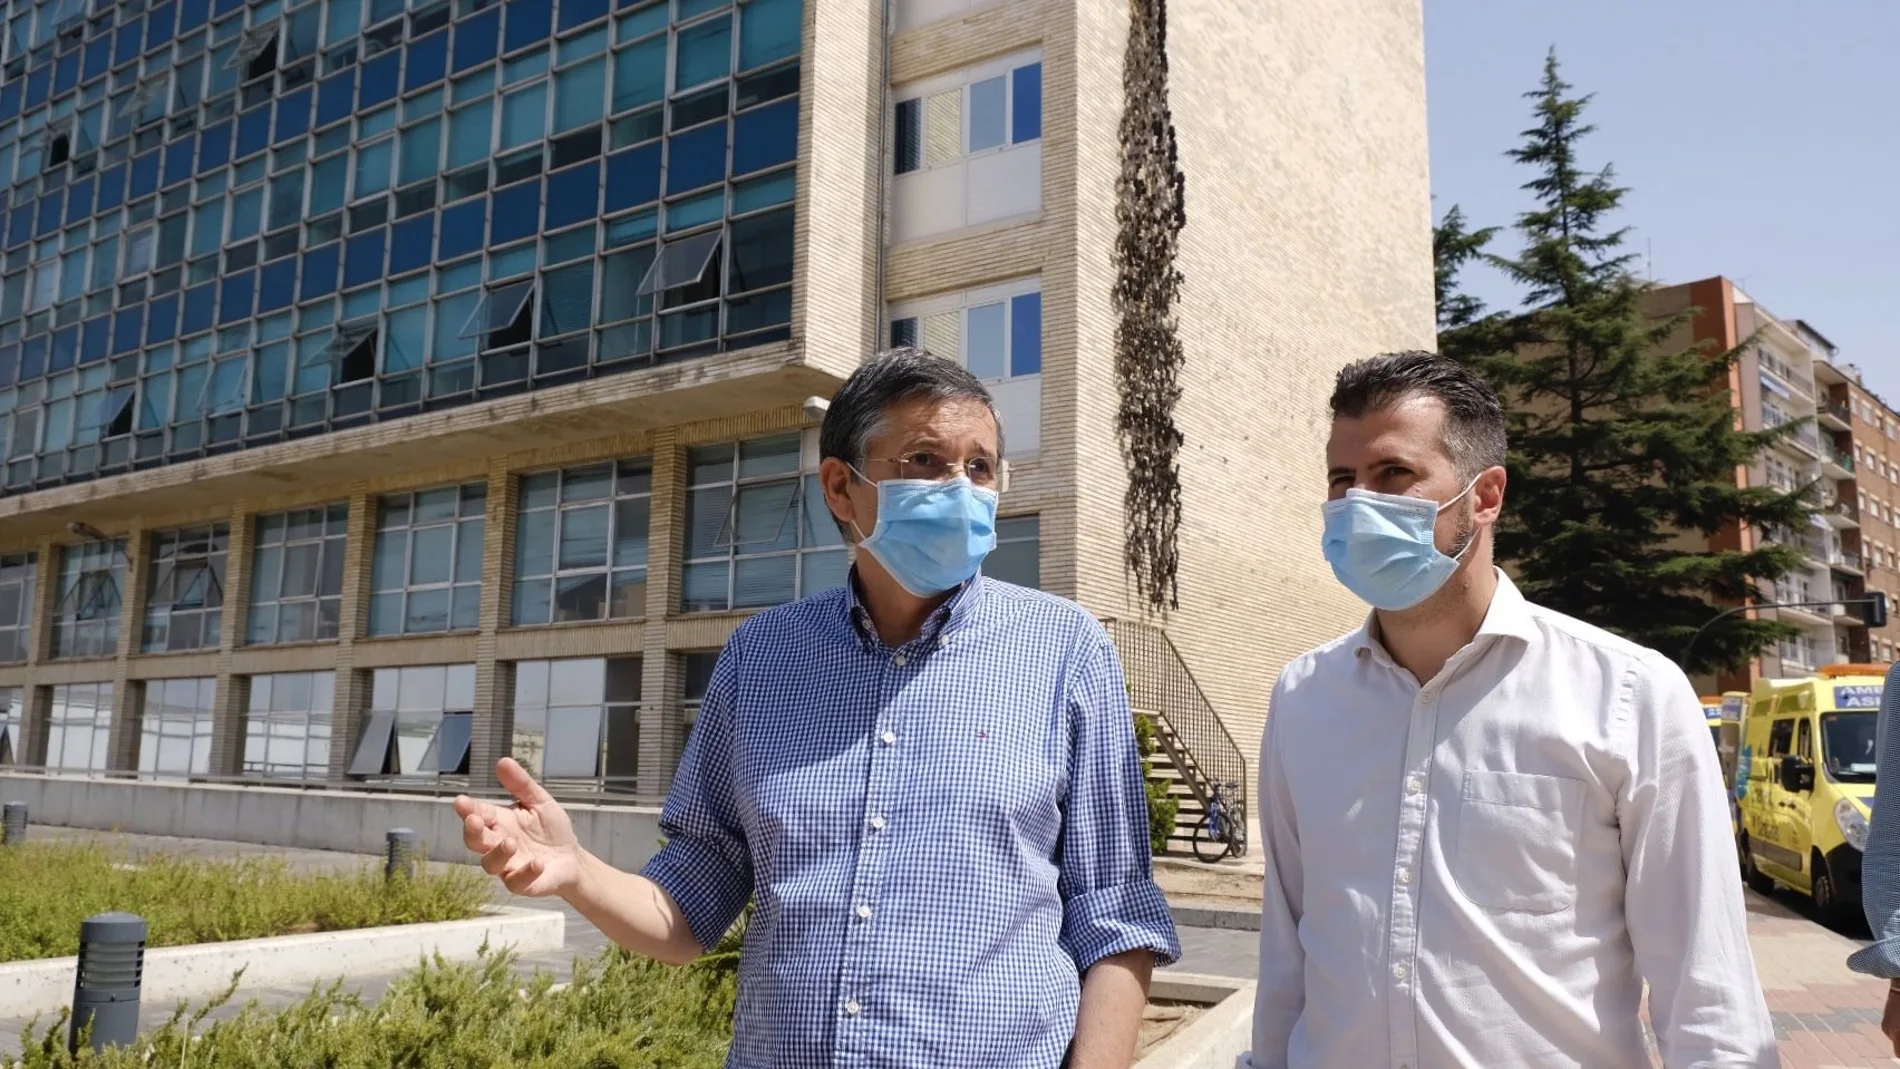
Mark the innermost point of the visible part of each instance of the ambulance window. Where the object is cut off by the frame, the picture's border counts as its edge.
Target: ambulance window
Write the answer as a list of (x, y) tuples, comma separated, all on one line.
[(1804, 744), (1780, 737)]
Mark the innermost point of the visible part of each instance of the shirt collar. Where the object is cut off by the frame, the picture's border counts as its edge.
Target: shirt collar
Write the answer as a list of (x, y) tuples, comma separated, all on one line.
[(952, 616), (1509, 616)]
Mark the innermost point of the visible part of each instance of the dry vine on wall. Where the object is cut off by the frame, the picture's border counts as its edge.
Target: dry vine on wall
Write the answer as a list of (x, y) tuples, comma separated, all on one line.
[(1150, 211)]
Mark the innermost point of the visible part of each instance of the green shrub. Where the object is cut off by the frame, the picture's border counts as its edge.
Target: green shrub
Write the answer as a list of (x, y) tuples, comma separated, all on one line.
[(1162, 806), (47, 889), (619, 1012)]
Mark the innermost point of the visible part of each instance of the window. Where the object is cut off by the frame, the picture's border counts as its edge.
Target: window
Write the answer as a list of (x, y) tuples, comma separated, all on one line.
[(995, 333), (1002, 109), (420, 723), (175, 730), (581, 543), (256, 53), (12, 726), (699, 671), (758, 531), (428, 561), (1780, 738), (86, 612), (682, 265), (504, 317), (1018, 554), (287, 726), (184, 600), (1804, 740), (579, 720), (297, 575), (18, 572), (78, 727)]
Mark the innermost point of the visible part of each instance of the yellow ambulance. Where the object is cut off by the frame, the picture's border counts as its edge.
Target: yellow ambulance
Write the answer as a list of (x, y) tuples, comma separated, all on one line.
[(1804, 780)]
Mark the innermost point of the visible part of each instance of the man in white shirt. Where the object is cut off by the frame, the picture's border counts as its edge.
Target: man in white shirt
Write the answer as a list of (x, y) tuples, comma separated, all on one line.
[(1486, 824)]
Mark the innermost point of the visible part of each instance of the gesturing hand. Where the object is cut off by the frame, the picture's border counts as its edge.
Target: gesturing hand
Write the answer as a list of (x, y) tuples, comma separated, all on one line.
[(530, 845)]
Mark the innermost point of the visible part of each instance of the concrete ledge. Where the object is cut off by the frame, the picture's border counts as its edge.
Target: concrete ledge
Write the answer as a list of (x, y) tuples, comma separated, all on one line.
[(348, 821), (203, 969), (1189, 913), (1216, 1039)]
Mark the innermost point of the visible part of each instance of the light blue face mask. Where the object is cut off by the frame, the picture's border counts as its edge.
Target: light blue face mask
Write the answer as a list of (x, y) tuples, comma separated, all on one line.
[(1384, 547), (931, 536)]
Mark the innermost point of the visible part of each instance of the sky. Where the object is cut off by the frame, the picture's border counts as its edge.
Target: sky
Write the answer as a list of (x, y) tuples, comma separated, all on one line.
[(1760, 140)]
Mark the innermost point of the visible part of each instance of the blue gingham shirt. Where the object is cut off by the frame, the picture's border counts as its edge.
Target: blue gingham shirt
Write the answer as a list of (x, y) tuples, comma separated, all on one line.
[(941, 838), (1880, 869)]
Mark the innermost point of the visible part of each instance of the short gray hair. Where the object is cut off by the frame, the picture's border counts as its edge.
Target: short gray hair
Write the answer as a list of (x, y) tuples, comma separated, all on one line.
[(857, 414)]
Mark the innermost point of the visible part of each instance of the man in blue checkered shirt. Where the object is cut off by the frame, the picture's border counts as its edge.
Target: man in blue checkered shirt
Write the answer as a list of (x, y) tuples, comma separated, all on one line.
[(927, 780)]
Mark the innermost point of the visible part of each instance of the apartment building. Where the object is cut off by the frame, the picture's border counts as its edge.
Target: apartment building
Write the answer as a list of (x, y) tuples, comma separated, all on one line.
[(1865, 433), (389, 386)]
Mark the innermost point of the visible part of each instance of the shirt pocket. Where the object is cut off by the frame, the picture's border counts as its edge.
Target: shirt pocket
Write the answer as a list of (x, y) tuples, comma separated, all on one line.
[(1515, 841)]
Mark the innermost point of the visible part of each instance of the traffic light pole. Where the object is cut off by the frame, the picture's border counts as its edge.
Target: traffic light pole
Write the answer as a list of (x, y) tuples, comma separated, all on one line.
[(1873, 614)]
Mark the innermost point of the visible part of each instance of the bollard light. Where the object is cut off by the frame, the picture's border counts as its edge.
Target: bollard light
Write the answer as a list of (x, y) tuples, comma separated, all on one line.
[(13, 824), (403, 848), (106, 990)]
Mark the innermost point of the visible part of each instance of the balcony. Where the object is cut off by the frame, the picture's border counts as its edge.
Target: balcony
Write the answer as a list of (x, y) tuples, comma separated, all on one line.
[(1845, 561), (1839, 512), (1837, 463), (1836, 415)]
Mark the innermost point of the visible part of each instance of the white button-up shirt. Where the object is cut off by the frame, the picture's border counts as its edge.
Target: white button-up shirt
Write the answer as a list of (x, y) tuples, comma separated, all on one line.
[(1481, 873)]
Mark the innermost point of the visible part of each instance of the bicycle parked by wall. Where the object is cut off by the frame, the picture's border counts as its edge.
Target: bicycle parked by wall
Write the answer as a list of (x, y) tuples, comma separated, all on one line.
[(1223, 832)]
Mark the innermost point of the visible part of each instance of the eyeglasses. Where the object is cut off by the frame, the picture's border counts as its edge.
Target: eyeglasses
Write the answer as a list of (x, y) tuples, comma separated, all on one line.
[(983, 471)]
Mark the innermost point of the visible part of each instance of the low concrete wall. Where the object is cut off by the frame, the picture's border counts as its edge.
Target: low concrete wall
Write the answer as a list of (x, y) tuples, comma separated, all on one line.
[(204, 969), (350, 821), (1216, 1039)]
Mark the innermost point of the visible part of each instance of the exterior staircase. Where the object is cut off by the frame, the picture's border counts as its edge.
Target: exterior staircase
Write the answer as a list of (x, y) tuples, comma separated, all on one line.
[(1196, 751)]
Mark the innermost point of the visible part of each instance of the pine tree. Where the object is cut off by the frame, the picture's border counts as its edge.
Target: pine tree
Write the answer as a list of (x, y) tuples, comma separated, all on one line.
[(1624, 446)]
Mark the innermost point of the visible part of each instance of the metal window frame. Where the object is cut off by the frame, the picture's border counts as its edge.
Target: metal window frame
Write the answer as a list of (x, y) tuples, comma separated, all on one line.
[(560, 508), (409, 586), (693, 248), (733, 553), (317, 599)]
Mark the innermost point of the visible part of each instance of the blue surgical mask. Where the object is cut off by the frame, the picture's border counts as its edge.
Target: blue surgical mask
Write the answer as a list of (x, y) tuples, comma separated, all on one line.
[(931, 536), (1384, 547)]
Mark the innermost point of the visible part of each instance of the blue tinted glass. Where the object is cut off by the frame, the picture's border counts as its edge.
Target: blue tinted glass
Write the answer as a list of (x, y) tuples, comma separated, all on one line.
[(65, 350), (66, 72), (639, 74), (112, 187), (79, 200), (769, 30), (9, 365), (410, 244), (10, 96), (765, 137), (239, 292), (694, 211), (145, 174), (277, 285), (179, 160), (580, 12), (200, 303), (160, 25), (247, 214), (52, 212), (580, 95), (697, 158), (1026, 107), (319, 271), (764, 192), (20, 225), (529, 21), (225, 7), (214, 147), (33, 358), (293, 116), (572, 195), (363, 260), (94, 338), (127, 42), (271, 369), (1025, 334), (633, 177), (461, 230), (379, 80), (253, 131), (39, 84), (428, 61), (517, 213), (193, 14), (336, 96), (98, 59), (475, 40), (163, 326), (704, 53), (128, 327)]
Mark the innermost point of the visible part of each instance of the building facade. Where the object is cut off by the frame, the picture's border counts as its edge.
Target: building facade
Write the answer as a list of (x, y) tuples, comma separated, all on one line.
[(1866, 431), (389, 386)]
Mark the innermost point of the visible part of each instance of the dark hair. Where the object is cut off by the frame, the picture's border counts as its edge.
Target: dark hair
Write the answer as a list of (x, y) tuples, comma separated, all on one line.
[(856, 415), (1474, 418)]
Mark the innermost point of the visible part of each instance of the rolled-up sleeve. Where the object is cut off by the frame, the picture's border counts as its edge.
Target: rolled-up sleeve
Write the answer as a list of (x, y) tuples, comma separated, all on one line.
[(706, 865), (1111, 904), (1880, 874)]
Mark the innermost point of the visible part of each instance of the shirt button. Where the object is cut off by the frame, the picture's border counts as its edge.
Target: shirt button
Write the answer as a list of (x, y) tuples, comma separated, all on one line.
[(1405, 875), (901, 660), (877, 823), (864, 913), (851, 1007), (889, 738), (1413, 786), (1398, 972)]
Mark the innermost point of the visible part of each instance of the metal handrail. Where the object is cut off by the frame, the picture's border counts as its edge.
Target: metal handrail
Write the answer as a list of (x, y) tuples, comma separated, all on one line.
[(1160, 683)]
